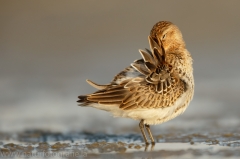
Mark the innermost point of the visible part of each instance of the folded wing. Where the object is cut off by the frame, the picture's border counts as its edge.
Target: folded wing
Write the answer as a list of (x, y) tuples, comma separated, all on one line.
[(158, 86)]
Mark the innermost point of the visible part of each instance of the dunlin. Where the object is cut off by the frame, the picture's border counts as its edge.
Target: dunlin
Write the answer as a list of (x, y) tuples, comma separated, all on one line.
[(153, 89)]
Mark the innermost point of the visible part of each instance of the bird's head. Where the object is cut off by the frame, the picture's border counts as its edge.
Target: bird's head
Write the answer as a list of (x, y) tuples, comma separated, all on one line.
[(169, 35)]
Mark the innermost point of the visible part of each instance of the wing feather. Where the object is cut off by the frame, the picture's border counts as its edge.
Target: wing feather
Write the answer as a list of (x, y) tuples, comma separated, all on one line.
[(151, 82)]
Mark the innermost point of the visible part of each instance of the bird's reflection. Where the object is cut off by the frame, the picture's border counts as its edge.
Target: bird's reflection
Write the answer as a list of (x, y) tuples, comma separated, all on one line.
[(151, 147)]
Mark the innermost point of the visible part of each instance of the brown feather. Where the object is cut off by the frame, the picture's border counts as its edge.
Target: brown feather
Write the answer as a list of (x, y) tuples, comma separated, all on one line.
[(106, 99), (158, 87), (117, 103), (109, 93)]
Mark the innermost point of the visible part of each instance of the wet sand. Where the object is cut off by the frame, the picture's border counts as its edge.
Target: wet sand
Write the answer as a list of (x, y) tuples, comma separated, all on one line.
[(44, 144)]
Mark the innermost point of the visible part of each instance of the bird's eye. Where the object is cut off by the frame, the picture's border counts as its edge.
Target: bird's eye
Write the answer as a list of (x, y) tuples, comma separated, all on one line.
[(164, 36)]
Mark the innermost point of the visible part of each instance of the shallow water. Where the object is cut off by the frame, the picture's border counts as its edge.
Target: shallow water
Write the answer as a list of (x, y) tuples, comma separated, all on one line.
[(37, 143)]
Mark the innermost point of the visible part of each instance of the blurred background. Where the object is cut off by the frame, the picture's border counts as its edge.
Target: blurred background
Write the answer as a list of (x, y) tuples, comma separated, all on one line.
[(49, 48)]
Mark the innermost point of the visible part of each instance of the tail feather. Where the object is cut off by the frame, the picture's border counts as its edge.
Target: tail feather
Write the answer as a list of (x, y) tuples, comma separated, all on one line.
[(95, 85), (83, 100)]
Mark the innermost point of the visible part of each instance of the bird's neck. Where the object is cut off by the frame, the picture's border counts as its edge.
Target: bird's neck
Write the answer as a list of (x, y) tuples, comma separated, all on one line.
[(176, 46), (179, 58)]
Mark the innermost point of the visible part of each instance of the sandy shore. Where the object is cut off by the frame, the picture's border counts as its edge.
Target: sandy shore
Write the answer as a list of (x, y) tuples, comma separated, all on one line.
[(44, 144)]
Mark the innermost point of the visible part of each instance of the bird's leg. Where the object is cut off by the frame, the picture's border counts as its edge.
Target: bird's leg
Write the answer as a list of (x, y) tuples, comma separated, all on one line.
[(149, 133), (141, 126), (146, 147)]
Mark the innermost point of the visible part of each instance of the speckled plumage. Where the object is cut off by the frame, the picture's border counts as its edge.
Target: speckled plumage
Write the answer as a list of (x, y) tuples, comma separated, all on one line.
[(153, 89)]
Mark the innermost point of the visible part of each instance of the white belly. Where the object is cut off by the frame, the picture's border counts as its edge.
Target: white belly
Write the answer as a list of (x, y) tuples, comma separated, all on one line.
[(150, 116)]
